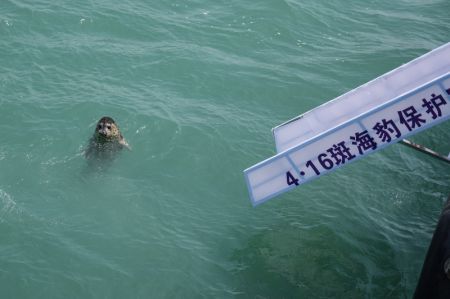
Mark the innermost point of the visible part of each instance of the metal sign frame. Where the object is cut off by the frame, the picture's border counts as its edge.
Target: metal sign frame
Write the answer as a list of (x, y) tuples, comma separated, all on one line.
[(408, 114)]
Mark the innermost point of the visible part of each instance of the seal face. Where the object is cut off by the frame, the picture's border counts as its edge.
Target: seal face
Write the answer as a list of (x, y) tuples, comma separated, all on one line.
[(107, 130), (106, 141)]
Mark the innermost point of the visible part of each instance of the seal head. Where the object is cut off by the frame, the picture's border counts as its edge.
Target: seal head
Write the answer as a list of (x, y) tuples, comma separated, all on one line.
[(107, 130), (107, 139)]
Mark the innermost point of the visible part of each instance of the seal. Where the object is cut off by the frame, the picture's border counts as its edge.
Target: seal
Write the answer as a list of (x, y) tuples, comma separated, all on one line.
[(106, 141)]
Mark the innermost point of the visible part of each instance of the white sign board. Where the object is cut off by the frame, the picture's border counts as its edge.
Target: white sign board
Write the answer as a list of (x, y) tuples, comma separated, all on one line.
[(384, 125), (364, 98)]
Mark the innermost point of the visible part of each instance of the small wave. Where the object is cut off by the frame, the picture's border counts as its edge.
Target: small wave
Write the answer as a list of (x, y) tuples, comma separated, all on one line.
[(7, 205)]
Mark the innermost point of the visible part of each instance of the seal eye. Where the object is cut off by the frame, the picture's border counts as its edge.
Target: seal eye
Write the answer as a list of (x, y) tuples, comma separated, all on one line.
[(109, 127), (99, 127)]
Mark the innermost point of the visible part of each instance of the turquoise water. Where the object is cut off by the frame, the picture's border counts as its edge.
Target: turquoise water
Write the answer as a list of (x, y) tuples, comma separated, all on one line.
[(195, 87)]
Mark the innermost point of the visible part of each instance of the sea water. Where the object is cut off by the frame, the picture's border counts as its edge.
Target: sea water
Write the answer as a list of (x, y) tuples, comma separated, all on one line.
[(195, 87)]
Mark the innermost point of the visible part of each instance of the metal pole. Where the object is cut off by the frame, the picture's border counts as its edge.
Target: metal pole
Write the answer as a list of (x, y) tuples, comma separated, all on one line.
[(425, 150)]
